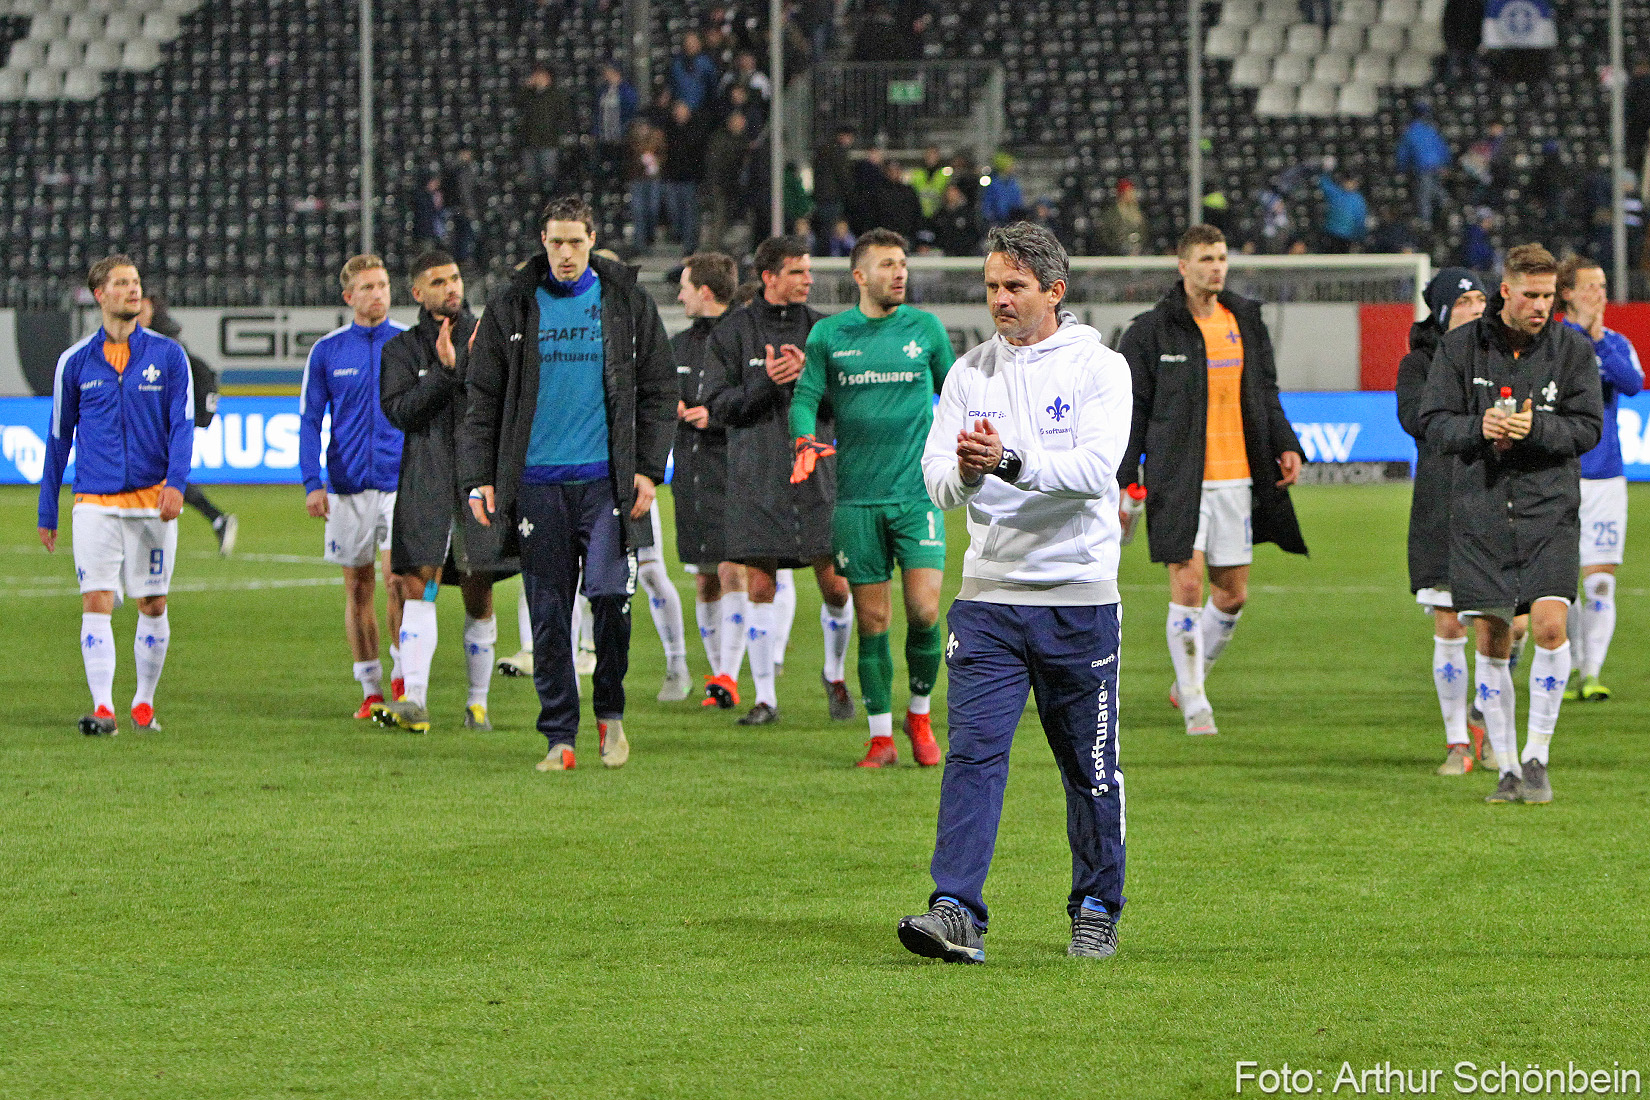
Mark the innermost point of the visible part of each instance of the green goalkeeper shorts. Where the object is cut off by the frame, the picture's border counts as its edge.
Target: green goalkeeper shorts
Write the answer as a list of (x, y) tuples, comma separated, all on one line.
[(870, 538)]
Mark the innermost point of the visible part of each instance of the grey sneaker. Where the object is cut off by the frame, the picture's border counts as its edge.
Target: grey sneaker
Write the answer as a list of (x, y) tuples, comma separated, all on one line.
[(1201, 724), (1458, 762), (945, 932), (760, 715), (1093, 935), (836, 694), (676, 687), (558, 759), (475, 717), (615, 749), (1535, 787), (1506, 790), (405, 715)]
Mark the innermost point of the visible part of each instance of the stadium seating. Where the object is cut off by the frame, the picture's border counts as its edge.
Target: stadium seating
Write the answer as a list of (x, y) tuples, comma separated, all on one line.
[(216, 142), (205, 142)]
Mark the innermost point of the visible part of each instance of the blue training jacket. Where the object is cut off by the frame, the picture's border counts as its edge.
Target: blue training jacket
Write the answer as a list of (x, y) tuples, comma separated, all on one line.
[(365, 450), (1620, 373), (129, 430)]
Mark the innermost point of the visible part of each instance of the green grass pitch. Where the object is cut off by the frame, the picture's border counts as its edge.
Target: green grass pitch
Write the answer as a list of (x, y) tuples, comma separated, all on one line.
[(269, 899)]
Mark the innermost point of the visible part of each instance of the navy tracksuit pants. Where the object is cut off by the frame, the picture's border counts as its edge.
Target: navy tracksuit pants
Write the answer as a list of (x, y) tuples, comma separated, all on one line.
[(565, 527), (996, 654)]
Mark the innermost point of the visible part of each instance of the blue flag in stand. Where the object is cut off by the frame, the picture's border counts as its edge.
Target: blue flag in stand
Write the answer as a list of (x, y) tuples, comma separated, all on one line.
[(1519, 25)]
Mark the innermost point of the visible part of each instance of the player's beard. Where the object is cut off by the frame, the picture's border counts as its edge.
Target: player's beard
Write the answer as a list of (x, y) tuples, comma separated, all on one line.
[(130, 314)]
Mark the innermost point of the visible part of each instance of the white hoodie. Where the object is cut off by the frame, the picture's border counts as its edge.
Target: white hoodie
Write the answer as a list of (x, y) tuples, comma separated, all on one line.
[(1064, 406)]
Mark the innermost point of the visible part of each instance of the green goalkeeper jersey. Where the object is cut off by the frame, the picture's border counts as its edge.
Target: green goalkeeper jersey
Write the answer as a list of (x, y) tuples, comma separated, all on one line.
[(880, 377)]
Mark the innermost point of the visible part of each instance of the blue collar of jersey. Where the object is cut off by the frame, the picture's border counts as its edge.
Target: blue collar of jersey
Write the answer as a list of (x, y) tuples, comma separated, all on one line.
[(578, 286), (375, 331)]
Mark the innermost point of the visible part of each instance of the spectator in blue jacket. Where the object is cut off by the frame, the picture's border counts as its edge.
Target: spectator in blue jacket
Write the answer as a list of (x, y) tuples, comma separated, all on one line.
[(692, 75), (363, 465), (1002, 200), (123, 399), (1346, 213), (1423, 155), (616, 106)]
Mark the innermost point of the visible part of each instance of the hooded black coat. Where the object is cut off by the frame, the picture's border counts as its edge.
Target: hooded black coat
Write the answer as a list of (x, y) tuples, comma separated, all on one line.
[(771, 518), (1166, 356), (1434, 470), (1515, 532), (425, 401), (700, 482), (502, 389)]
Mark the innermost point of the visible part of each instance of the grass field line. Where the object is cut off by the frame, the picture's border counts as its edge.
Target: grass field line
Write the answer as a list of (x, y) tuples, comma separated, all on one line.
[(251, 584), (1330, 589)]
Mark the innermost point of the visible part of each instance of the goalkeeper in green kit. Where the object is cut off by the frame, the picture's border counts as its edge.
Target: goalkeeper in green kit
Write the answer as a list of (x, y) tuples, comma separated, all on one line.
[(880, 365)]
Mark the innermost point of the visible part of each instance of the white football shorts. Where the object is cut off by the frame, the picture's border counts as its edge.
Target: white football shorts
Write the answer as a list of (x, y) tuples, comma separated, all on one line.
[(1603, 520), (1223, 531), (358, 526), (1434, 597), (130, 556)]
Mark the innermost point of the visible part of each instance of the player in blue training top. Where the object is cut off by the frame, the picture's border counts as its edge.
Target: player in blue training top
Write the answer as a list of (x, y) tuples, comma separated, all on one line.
[(363, 463), (124, 401), (1581, 290)]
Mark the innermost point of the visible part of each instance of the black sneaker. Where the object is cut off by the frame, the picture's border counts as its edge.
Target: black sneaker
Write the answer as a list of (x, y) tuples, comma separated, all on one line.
[(945, 932), (1506, 790), (836, 695), (100, 723), (1093, 935), (760, 715), (1535, 787)]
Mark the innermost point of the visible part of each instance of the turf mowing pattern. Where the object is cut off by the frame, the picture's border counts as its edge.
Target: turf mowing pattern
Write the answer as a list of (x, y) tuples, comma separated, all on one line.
[(270, 899)]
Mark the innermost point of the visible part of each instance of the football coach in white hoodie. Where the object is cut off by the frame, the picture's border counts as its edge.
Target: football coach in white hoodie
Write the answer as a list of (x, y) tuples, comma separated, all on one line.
[(1028, 434)]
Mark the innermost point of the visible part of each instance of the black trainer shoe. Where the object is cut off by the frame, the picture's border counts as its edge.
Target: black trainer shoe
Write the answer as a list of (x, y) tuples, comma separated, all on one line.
[(100, 723), (1535, 787), (1093, 935), (1506, 790), (945, 932), (836, 695), (760, 715)]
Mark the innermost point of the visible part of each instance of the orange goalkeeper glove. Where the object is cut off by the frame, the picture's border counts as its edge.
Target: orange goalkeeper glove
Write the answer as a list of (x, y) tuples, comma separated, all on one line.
[(808, 453)]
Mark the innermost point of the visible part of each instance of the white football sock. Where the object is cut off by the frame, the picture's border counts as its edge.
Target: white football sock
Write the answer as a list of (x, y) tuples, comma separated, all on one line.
[(1494, 685), (665, 604), (524, 622), (584, 624), (1449, 676), (370, 675), (736, 609), (97, 652), (1549, 672), (760, 634), (1574, 632), (919, 704), (837, 625), (1216, 626), (708, 614), (154, 633), (396, 671), (1598, 621), (418, 638), (1185, 636), (480, 645), (784, 613), (882, 725)]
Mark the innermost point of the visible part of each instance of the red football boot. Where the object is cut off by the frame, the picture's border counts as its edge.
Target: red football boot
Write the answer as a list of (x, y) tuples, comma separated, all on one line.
[(919, 728)]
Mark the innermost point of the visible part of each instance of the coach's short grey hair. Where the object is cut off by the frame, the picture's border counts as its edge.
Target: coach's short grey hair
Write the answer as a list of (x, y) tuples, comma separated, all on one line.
[(1033, 248)]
